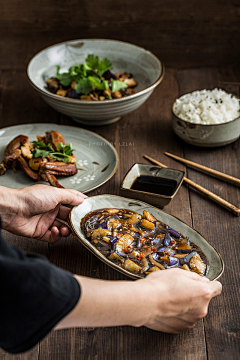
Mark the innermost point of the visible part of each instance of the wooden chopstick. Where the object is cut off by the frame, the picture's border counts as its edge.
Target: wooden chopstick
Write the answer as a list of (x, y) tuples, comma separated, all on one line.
[(206, 169), (202, 190)]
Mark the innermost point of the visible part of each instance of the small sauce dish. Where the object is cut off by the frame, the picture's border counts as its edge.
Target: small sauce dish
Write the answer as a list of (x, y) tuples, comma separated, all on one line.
[(152, 184)]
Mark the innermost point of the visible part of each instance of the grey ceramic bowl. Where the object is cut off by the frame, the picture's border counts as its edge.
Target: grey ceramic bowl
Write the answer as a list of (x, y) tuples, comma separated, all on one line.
[(158, 200), (206, 135), (147, 69), (111, 201)]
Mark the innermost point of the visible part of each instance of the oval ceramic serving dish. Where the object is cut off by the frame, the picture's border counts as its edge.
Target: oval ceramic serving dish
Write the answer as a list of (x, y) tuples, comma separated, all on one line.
[(216, 265)]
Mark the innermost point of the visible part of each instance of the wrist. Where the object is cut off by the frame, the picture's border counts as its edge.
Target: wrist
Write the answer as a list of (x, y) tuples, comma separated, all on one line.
[(9, 203), (109, 303)]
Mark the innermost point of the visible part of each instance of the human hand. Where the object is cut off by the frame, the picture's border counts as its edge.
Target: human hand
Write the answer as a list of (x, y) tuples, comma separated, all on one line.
[(33, 211), (170, 301), (178, 299)]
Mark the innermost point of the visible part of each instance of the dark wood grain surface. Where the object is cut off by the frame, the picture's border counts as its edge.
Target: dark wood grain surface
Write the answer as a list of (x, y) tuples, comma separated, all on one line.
[(146, 131), (181, 33)]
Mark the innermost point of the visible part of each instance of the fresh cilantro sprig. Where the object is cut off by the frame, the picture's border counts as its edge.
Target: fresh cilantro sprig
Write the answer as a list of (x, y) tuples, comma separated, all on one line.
[(90, 75), (44, 150)]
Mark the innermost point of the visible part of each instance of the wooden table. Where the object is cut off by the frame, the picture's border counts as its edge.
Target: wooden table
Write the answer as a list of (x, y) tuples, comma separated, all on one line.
[(146, 131)]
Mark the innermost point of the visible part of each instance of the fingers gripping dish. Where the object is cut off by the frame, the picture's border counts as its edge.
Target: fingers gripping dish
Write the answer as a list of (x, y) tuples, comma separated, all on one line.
[(140, 243)]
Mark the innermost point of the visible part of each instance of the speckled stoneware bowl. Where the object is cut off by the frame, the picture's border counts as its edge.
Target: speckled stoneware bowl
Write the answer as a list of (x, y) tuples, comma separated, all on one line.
[(147, 69), (150, 170), (216, 266), (206, 135)]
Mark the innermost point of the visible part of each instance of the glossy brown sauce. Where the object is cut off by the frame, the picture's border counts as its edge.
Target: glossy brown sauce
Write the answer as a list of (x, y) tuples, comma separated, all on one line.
[(147, 244), (154, 184)]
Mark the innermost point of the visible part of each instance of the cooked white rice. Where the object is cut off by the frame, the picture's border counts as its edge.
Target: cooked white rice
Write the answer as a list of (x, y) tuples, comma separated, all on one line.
[(207, 107)]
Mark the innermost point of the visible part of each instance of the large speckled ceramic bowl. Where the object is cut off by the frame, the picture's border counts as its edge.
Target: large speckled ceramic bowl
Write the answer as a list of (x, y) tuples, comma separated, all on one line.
[(147, 69), (206, 135), (111, 201)]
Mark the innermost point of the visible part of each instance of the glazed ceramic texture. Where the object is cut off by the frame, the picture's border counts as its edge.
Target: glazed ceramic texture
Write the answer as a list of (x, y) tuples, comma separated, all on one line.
[(206, 135), (97, 158), (147, 69), (216, 265), (151, 170)]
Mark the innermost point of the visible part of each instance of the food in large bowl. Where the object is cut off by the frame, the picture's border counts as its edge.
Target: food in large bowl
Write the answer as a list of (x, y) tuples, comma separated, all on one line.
[(125, 58), (207, 118)]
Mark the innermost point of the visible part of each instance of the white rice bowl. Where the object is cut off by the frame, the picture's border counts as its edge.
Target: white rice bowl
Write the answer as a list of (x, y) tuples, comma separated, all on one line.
[(207, 107)]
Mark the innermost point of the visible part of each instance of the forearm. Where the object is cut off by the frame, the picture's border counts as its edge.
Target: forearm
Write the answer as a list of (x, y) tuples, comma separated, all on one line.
[(8, 205), (108, 303)]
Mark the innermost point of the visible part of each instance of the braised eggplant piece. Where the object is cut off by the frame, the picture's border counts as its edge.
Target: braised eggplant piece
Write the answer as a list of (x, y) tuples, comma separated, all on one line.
[(141, 244)]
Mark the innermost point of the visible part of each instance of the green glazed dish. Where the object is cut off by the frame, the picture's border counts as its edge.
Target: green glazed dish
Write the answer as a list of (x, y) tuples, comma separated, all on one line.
[(97, 158), (216, 266)]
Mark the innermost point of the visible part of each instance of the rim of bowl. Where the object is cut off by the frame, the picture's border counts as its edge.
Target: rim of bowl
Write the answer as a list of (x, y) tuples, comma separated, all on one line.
[(74, 101), (192, 123)]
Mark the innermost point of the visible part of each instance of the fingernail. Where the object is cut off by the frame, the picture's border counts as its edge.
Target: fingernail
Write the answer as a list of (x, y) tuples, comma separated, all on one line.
[(205, 279), (82, 196)]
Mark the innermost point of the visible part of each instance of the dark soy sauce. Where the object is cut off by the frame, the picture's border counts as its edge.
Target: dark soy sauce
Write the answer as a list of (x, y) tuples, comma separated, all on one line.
[(156, 185)]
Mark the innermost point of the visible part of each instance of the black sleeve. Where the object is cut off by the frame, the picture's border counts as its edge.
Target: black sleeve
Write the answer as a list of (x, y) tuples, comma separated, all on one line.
[(34, 296)]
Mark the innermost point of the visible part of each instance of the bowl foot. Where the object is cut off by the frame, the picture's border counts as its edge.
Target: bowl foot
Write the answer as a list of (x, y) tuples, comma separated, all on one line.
[(96, 122)]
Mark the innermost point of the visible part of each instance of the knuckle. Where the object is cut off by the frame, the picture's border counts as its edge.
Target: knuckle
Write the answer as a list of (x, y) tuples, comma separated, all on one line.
[(190, 326), (208, 294), (203, 313)]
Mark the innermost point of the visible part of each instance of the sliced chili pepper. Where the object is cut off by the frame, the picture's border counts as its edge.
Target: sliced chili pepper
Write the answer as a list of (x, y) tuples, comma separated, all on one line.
[(128, 249), (154, 249), (140, 256), (165, 253)]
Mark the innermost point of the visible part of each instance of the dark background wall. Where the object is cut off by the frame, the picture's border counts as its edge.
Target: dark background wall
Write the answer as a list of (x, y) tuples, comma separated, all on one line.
[(187, 33)]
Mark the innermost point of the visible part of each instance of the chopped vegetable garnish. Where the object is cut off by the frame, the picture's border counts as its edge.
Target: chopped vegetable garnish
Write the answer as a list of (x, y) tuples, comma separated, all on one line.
[(43, 150), (91, 81), (145, 248)]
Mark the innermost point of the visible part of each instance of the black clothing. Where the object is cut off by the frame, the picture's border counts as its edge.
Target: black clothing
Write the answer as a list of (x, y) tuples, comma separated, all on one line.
[(34, 296)]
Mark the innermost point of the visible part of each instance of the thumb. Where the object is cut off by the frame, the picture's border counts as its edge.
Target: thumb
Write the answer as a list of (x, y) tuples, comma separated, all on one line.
[(69, 196), (216, 288)]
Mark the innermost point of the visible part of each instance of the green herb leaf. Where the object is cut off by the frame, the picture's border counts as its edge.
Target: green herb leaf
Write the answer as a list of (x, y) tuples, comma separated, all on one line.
[(62, 155), (84, 86), (64, 78), (42, 145), (118, 85), (103, 66), (83, 75), (99, 244), (98, 84), (92, 61), (38, 152), (59, 157), (66, 149)]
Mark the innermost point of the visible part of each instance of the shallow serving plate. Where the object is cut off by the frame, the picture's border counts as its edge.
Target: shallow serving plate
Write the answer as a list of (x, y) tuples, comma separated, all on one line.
[(150, 170), (216, 265), (97, 157)]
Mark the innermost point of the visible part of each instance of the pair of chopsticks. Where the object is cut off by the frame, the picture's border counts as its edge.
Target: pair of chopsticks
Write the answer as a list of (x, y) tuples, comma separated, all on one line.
[(200, 188)]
